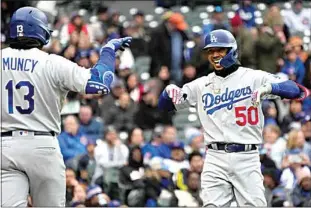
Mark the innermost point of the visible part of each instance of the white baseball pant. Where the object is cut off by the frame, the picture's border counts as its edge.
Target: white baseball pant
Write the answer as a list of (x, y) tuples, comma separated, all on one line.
[(232, 176), (32, 165)]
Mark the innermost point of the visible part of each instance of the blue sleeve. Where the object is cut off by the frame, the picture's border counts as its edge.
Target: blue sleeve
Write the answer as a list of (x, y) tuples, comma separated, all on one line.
[(102, 73), (165, 102), (287, 89)]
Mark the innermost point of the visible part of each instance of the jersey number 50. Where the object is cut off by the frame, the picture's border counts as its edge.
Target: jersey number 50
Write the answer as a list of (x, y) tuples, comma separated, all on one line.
[(244, 116), (28, 97)]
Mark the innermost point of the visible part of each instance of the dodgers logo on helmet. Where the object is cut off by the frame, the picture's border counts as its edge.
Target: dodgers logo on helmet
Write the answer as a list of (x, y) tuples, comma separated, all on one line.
[(30, 22), (223, 39)]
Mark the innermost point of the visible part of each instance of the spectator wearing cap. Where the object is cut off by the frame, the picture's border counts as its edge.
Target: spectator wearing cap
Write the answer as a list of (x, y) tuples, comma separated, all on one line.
[(247, 13), (217, 21), (293, 66), (117, 88), (245, 41), (167, 45), (195, 140), (301, 195), (110, 155), (177, 160), (95, 197), (297, 18), (121, 114), (270, 113), (72, 140)]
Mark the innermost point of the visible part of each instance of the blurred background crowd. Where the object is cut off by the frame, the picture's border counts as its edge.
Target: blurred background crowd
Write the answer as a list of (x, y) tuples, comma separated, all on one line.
[(120, 150)]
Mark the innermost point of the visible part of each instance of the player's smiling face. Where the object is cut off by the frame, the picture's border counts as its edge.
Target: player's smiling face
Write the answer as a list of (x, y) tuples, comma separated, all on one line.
[(214, 55)]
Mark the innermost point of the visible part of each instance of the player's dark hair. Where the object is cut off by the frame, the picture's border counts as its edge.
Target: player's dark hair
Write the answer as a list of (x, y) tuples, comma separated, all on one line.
[(25, 43), (193, 154)]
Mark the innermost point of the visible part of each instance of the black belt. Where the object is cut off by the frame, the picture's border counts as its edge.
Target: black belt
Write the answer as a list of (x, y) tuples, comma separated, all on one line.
[(232, 147), (36, 133)]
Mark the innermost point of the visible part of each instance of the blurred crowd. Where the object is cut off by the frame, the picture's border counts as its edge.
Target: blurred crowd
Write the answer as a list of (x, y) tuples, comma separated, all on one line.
[(111, 158)]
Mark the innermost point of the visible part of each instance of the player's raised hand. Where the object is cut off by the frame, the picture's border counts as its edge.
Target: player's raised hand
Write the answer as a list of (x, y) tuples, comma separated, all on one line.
[(259, 93), (175, 93), (119, 44)]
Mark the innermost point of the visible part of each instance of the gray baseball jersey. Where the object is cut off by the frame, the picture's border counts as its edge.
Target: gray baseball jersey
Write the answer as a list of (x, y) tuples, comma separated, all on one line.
[(34, 86), (224, 105)]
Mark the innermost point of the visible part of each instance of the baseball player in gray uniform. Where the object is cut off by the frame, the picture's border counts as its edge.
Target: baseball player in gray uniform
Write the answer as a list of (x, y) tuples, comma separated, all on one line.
[(33, 86), (227, 103)]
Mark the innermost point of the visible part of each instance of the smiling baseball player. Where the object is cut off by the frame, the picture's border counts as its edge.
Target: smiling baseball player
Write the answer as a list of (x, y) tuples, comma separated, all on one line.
[(227, 103), (33, 87)]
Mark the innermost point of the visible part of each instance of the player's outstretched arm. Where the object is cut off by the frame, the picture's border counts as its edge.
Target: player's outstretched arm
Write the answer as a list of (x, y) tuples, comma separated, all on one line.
[(102, 73), (287, 89), (173, 98)]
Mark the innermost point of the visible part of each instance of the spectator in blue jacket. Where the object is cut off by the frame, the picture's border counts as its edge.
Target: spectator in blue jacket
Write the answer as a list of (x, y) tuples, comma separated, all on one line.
[(247, 13), (293, 66), (92, 127), (72, 141)]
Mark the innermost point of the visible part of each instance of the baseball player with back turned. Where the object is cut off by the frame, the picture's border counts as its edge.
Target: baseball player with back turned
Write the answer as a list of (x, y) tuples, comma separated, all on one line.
[(33, 86), (227, 103)]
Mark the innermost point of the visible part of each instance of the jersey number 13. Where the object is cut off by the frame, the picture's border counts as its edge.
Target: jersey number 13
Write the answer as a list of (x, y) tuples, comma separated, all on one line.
[(27, 97)]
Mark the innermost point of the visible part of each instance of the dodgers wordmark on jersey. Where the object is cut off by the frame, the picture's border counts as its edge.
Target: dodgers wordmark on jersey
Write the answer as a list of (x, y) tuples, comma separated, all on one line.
[(34, 85), (224, 105)]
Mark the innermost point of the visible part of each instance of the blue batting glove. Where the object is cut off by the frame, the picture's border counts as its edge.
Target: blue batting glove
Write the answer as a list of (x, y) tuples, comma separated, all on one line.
[(119, 44)]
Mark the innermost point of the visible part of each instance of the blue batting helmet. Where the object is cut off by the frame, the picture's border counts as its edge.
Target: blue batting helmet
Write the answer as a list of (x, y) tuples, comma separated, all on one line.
[(30, 22), (223, 39)]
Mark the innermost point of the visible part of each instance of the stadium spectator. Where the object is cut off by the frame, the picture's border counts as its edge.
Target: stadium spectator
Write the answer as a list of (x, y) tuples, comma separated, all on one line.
[(306, 128), (72, 140), (71, 182), (125, 108), (136, 137), (131, 179), (117, 88), (301, 195), (169, 54), (293, 66), (87, 164), (269, 47), (247, 13), (134, 87), (91, 126), (168, 137), (274, 144), (148, 107), (245, 41), (110, 155), (298, 18), (76, 24), (293, 117), (218, 21), (195, 141)]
